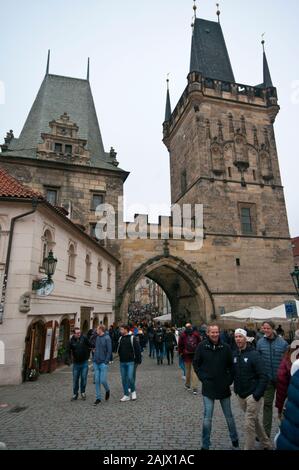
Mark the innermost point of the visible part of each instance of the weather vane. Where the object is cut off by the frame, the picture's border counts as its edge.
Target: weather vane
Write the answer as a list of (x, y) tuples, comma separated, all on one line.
[(194, 16), (218, 12), (263, 41)]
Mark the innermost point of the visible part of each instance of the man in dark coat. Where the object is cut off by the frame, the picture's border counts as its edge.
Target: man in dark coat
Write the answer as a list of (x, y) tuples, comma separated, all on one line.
[(250, 383), (78, 349), (213, 364)]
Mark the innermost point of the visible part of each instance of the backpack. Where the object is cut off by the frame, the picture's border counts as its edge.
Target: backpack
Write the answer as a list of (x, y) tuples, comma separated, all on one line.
[(191, 344), (159, 336)]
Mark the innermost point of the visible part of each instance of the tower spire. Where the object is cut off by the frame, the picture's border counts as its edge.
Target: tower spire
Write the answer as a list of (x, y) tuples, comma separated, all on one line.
[(87, 75), (48, 63), (266, 71), (168, 105)]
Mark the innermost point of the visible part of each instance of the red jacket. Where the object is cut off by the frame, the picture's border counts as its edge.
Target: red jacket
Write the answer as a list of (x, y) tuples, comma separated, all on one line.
[(283, 381), (187, 356)]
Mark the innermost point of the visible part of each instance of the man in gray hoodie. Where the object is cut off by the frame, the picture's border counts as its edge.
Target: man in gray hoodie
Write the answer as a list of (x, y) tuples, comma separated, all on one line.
[(102, 354)]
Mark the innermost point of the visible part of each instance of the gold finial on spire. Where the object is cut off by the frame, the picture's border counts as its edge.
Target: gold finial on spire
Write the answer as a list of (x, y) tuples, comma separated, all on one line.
[(263, 41), (218, 12)]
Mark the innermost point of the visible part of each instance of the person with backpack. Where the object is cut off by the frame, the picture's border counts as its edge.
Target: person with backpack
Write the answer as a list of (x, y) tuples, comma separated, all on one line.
[(129, 354), (188, 342), (151, 335), (213, 364), (159, 338), (170, 342)]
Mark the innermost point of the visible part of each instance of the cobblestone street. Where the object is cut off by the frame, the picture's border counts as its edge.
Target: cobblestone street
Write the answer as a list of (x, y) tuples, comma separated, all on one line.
[(164, 417)]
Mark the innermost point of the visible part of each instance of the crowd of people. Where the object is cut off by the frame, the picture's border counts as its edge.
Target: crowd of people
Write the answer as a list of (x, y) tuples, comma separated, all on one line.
[(261, 366)]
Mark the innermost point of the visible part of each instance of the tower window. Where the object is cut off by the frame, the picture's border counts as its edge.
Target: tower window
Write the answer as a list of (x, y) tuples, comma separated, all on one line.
[(68, 149), (52, 196), (229, 172), (57, 148), (238, 263), (246, 221), (254, 175), (97, 199)]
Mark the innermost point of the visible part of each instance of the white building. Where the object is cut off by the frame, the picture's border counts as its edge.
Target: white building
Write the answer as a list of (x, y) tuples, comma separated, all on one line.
[(35, 325)]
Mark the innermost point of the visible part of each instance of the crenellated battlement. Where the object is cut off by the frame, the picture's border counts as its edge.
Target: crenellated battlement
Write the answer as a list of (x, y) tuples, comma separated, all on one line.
[(204, 87)]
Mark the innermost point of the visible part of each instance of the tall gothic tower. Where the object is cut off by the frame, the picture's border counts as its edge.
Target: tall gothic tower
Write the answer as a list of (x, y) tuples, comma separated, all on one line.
[(221, 142)]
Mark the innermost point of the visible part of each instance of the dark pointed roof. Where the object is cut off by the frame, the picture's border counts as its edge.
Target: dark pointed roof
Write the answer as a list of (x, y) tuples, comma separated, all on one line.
[(168, 106), (208, 51), (267, 76), (56, 96)]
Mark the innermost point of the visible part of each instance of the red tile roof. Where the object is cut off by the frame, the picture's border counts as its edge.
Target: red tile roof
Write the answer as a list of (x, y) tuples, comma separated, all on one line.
[(10, 187)]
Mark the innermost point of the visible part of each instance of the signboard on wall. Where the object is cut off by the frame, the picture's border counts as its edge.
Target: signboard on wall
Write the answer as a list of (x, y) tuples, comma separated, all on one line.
[(48, 344), (291, 309)]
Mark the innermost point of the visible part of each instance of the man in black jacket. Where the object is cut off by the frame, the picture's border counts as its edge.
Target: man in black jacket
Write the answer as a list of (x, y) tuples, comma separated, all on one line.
[(79, 349), (213, 364), (250, 383), (129, 354)]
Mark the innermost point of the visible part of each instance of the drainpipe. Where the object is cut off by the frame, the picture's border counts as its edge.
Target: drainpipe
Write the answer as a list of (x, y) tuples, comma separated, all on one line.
[(7, 263)]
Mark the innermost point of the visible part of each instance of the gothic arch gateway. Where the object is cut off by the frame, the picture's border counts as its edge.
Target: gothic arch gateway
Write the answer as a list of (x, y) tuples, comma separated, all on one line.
[(189, 295)]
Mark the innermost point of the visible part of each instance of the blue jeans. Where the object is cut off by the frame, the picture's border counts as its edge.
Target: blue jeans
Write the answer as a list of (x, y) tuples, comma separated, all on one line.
[(182, 365), (207, 420), (152, 349), (100, 373), (127, 376), (80, 372)]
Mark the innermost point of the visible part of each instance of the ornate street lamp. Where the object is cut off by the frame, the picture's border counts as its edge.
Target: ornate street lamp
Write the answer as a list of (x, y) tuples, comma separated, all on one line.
[(45, 286), (295, 277)]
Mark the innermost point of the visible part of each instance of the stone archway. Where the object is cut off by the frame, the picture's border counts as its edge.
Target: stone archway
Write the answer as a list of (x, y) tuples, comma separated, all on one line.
[(184, 286)]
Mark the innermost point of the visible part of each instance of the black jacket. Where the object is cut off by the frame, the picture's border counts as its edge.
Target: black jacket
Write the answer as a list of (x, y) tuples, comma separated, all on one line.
[(126, 352), (213, 365), (79, 349), (250, 376)]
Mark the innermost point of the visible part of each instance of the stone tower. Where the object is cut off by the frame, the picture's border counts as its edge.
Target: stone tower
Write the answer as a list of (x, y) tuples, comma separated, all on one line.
[(221, 142)]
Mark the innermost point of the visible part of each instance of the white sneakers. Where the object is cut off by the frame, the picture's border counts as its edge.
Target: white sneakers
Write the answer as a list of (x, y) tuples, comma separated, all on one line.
[(127, 398)]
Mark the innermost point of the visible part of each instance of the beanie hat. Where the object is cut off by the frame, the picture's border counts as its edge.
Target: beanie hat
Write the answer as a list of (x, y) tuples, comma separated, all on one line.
[(240, 331)]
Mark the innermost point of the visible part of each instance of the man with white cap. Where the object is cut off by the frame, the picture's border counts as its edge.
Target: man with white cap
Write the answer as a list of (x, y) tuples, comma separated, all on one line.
[(250, 382)]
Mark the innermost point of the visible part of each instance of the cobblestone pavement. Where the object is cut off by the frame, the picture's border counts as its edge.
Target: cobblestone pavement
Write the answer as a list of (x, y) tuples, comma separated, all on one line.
[(165, 416)]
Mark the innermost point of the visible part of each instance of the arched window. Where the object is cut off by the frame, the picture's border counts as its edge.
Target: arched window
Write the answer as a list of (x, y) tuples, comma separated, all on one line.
[(100, 270), (71, 263), (109, 278), (87, 268)]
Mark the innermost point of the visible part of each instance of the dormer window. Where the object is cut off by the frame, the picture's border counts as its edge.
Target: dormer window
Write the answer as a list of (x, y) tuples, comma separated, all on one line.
[(68, 149)]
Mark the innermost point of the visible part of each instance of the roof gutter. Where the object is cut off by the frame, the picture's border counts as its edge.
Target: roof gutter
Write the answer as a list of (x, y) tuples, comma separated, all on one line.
[(7, 263)]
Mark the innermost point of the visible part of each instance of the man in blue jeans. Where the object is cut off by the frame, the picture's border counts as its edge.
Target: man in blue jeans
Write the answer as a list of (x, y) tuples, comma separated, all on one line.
[(101, 358), (213, 364), (78, 349), (129, 353)]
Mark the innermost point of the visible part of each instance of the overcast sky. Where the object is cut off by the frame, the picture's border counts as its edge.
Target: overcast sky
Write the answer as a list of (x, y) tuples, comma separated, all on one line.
[(133, 44)]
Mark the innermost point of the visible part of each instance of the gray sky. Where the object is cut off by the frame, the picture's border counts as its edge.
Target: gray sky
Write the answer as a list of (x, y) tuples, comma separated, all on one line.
[(133, 44)]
